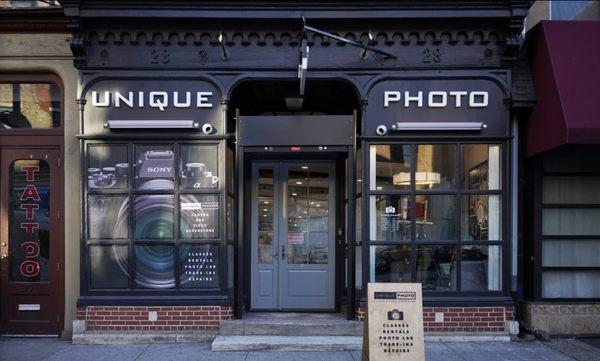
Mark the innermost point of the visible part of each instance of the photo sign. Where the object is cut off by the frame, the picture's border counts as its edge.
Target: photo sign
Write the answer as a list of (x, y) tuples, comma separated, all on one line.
[(394, 323)]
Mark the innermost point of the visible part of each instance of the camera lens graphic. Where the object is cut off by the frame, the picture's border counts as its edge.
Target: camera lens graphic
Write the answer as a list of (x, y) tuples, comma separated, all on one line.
[(153, 219)]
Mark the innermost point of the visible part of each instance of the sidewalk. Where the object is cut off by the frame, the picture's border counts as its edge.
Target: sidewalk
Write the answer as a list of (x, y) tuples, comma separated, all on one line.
[(15, 349)]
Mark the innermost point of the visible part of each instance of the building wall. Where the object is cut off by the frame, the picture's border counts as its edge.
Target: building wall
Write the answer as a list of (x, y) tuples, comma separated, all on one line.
[(50, 53)]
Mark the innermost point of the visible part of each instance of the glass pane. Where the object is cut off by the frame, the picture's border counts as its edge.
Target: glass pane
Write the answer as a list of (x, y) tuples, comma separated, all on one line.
[(358, 273), (390, 167), (230, 173), (390, 263), (481, 268), (199, 216), (155, 266), (154, 167), (199, 266), (108, 167), (436, 217), (481, 218), (265, 216), (481, 164), (29, 222), (199, 167), (390, 218), (358, 171), (108, 216), (571, 253), (230, 266), (29, 106), (318, 247), (308, 214), (436, 267), (436, 166), (153, 216), (571, 190), (358, 221), (570, 284), (109, 266), (570, 221)]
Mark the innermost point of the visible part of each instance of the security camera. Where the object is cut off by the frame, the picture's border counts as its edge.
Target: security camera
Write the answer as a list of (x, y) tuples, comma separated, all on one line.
[(381, 130), (207, 128)]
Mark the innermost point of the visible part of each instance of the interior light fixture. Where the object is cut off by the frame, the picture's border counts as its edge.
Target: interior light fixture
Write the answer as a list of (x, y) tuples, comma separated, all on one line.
[(421, 178)]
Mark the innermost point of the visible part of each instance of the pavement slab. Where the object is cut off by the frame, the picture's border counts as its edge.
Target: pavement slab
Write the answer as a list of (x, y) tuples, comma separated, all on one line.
[(21, 349)]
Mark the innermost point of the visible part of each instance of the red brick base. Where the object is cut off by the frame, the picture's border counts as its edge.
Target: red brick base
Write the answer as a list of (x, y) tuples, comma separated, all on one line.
[(462, 319), (169, 318)]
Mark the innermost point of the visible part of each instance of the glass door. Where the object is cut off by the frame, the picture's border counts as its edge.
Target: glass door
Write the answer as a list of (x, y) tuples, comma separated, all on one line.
[(293, 236)]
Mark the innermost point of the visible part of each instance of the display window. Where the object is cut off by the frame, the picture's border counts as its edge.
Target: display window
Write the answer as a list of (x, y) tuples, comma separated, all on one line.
[(153, 216), (436, 215)]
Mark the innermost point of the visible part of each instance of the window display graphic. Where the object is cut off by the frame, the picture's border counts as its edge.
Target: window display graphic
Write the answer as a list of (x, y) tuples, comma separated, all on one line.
[(29, 229), (394, 324), (199, 266), (199, 217)]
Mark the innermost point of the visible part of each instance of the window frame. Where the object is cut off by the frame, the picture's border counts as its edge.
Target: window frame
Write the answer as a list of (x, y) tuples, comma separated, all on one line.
[(458, 191), (138, 295), (539, 206), (48, 78)]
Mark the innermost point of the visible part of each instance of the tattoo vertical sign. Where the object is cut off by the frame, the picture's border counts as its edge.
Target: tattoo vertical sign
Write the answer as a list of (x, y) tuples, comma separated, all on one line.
[(30, 211)]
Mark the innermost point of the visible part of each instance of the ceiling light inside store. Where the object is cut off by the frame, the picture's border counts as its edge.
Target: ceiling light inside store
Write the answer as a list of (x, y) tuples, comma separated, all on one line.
[(421, 178)]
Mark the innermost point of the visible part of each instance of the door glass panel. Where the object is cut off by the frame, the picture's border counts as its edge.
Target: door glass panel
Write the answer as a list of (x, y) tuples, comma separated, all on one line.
[(308, 215), (33, 105), (29, 222), (265, 216)]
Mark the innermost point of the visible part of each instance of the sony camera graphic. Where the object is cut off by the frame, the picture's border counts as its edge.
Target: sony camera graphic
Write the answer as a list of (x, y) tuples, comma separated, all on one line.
[(395, 315)]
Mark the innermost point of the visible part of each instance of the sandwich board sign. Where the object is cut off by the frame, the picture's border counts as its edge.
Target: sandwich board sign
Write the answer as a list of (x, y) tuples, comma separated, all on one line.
[(394, 323)]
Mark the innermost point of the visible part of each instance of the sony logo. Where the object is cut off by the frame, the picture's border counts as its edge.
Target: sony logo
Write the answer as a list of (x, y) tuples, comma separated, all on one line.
[(155, 99), (159, 169), (438, 99)]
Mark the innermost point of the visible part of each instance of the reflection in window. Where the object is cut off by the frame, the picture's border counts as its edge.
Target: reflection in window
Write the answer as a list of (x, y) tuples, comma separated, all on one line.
[(481, 217), (25, 105), (436, 217), (108, 216), (390, 167), (436, 166), (109, 267), (390, 263), (436, 267), (481, 268)]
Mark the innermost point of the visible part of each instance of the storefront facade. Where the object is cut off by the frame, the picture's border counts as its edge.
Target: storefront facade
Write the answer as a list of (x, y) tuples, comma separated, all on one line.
[(235, 158)]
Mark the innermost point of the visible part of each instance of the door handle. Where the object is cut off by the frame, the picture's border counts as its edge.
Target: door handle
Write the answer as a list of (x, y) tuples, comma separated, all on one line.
[(283, 251)]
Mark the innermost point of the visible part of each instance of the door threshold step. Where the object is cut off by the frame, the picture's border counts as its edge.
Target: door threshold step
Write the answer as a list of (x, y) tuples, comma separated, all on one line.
[(287, 343), (291, 324), (140, 337)]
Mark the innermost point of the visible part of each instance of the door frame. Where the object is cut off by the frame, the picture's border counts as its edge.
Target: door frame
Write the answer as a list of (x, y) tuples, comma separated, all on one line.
[(43, 144), (280, 176)]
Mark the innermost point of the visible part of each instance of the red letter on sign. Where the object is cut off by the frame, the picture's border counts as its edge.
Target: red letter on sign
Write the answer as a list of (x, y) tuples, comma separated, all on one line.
[(30, 192), (30, 170), (30, 227), (30, 268), (30, 208), (31, 249)]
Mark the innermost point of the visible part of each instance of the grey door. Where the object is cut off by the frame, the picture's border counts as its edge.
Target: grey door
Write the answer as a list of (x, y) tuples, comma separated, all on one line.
[(293, 236)]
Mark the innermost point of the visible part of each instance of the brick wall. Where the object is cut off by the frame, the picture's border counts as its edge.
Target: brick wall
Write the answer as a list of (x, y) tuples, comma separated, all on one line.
[(168, 318), (462, 319)]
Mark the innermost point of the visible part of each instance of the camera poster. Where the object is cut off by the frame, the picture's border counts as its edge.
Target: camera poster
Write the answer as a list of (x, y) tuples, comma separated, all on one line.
[(199, 217), (394, 323)]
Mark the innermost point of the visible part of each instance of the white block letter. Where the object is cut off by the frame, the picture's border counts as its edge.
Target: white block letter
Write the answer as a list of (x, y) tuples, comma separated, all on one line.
[(119, 97), (158, 103), (188, 100), (202, 97), (457, 97), (475, 104), (431, 99), (390, 96), (418, 99), (96, 99)]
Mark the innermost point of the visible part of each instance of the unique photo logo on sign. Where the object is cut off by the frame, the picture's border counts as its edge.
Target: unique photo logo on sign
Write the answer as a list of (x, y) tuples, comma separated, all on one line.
[(394, 323)]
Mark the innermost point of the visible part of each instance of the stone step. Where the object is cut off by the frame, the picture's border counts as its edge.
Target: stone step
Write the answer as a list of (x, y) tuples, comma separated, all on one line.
[(287, 343), (140, 337), (291, 325)]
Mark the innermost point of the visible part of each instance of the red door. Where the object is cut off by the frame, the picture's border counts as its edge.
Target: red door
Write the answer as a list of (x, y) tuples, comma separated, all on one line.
[(30, 241)]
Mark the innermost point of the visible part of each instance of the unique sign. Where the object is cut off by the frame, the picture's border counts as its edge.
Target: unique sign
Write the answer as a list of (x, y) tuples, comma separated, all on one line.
[(151, 100), (394, 323), (440, 102)]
